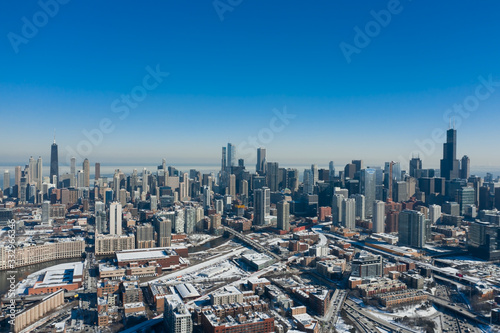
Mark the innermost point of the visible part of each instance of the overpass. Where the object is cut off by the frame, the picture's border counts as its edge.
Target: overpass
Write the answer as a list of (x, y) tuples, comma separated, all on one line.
[(252, 243), (457, 309)]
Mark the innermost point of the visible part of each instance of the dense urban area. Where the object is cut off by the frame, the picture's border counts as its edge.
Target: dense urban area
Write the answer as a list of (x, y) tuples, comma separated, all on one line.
[(398, 248)]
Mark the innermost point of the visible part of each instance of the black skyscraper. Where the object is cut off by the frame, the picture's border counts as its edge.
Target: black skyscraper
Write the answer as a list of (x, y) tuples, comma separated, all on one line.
[(450, 166), (54, 162)]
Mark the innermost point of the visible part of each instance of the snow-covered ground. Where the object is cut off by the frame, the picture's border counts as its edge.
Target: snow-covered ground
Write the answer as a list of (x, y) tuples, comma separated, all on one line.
[(408, 311), (342, 327), (200, 239), (196, 269)]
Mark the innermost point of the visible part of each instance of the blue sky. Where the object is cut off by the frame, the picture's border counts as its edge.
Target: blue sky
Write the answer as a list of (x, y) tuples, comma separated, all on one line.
[(227, 76)]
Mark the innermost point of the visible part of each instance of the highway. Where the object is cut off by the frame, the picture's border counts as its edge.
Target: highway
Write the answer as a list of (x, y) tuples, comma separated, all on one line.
[(392, 327)]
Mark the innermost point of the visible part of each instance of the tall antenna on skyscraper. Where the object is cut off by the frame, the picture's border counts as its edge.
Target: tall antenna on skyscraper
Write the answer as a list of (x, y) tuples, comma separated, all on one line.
[(54, 135)]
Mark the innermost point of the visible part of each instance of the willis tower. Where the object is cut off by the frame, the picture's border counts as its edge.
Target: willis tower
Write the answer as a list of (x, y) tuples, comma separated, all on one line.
[(450, 166), (54, 163)]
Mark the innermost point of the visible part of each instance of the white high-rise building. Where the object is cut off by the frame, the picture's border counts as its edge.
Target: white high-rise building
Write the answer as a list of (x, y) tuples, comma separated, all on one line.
[(72, 169), (190, 220), (6, 180), (177, 317), (337, 208), (32, 171), (115, 218), (349, 213), (219, 206), (80, 179), (360, 206), (46, 213), (378, 216), (154, 203), (179, 221), (434, 213), (315, 174), (283, 215), (100, 217), (206, 197)]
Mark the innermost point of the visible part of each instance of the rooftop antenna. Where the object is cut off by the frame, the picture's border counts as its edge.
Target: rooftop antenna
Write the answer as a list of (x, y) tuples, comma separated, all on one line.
[(454, 122), (450, 123), (54, 135)]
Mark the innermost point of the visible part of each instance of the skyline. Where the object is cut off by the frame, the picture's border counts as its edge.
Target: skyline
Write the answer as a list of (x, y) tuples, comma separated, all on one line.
[(250, 163), (231, 74), (452, 166)]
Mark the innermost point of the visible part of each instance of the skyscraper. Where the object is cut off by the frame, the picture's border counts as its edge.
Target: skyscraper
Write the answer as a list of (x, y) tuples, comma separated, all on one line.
[(349, 213), (72, 169), (32, 171), (415, 164), (100, 217), (484, 240), (232, 185), (39, 173), (283, 215), (115, 218), (163, 229), (17, 176), (190, 225), (97, 173), (337, 208), (308, 182), (434, 213), (449, 164), (6, 180), (144, 236), (54, 164), (261, 160), (368, 188), (412, 229), (331, 171), (223, 160), (378, 216), (465, 167), (350, 171), (314, 172), (466, 196), (231, 155), (272, 170), (360, 206), (358, 165), (262, 205), (86, 173)]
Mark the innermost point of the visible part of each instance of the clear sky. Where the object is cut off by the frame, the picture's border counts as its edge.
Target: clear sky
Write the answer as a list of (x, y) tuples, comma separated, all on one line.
[(231, 66)]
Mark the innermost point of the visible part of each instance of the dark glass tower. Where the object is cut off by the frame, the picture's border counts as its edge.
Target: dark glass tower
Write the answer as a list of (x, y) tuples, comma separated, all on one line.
[(450, 166), (54, 162)]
